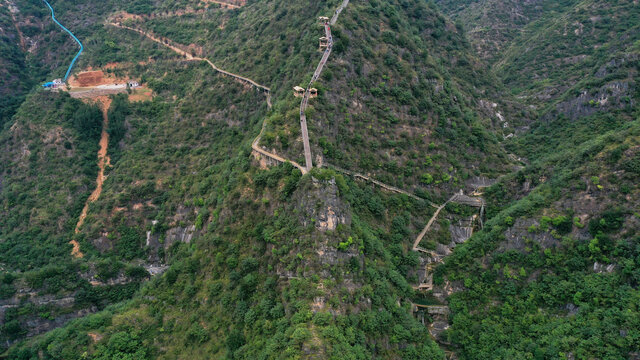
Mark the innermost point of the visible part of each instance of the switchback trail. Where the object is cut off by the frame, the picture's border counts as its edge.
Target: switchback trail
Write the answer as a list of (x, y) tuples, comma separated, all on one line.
[(256, 147), (103, 162), (316, 74)]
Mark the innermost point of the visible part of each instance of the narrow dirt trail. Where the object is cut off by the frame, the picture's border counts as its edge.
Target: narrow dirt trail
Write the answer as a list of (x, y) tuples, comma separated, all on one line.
[(103, 162)]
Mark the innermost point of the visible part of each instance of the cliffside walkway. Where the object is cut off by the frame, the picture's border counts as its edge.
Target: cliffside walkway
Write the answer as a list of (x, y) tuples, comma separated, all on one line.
[(378, 183), (436, 258), (224, 4), (316, 74)]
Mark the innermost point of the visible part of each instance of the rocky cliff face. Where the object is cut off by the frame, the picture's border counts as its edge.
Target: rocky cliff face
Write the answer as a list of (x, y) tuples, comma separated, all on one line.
[(322, 206)]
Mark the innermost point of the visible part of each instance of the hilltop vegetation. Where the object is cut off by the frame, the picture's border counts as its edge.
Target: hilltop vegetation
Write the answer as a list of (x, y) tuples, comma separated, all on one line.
[(196, 248), (181, 169), (493, 26), (561, 249)]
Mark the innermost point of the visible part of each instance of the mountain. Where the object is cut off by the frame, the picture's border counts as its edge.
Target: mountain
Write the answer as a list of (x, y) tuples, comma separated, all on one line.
[(560, 250), (471, 190)]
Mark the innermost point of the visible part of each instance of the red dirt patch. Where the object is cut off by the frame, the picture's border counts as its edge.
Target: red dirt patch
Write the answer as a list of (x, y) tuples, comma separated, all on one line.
[(95, 337), (103, 162), (93, 78)]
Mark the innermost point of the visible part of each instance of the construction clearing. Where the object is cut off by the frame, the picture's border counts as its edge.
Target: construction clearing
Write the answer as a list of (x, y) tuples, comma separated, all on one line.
[(94, 83)]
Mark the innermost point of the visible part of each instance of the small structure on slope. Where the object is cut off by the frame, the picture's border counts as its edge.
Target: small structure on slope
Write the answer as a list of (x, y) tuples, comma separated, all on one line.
[(313, 92), (324, 43), (53, 84), (323, 19), (298, 91)]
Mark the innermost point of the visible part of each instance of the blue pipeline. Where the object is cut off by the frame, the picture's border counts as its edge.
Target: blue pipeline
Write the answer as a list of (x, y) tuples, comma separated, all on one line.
[(73, 36)]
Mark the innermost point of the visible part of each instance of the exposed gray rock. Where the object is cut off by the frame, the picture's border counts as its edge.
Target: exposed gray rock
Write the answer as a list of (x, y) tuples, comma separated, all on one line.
[(518, 234), (603, 268), (587, 103), (102, 243), (323, 204), (479, 182), (39, 325), (179, 234), (154, 270), (462, 231), (571, 309)]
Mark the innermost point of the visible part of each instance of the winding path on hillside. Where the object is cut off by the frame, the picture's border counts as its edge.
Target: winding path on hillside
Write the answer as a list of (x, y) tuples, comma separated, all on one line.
[(303, 105), (223, 4), (378, 183), (255, 144), (316, 74), (188, 56)]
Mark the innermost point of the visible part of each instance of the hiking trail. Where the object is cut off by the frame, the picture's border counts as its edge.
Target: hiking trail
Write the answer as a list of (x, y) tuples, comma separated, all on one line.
[(255, 144), (316, 74)]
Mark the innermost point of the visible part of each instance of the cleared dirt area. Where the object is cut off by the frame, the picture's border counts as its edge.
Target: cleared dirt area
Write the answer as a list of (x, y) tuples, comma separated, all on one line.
[(94, 78), (92, 84)]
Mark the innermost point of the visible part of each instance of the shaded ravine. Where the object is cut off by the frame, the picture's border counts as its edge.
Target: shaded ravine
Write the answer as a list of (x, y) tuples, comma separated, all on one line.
[(103, 162)]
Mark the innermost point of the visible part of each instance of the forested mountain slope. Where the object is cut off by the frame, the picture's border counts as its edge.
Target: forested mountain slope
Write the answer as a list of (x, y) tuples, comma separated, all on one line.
[(493, 25), (263, 263), (554, 274), (14, 78), (412, 60), (200, 246)]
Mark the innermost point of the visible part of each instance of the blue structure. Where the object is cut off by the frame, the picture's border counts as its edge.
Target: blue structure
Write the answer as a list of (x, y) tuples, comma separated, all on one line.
[(53, 16)]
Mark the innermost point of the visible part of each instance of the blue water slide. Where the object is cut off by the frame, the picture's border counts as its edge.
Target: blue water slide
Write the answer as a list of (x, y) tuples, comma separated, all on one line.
[(53, 16)]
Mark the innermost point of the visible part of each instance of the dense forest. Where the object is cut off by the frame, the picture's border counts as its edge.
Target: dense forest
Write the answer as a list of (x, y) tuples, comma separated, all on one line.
[(474, 193)]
